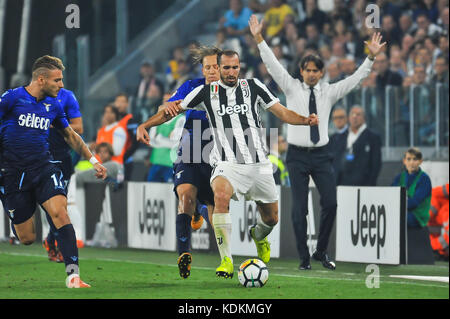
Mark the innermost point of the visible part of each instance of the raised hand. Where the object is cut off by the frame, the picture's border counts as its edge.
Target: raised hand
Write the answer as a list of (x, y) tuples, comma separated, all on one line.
[(256, 28), (375, 44)]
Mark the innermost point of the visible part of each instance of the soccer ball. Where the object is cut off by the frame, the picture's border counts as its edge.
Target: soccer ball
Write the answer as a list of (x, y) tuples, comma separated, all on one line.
[(253, 273)]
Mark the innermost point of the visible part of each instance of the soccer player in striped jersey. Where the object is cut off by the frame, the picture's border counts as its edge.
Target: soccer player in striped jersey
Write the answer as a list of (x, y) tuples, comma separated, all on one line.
[(239, 155), (30, 176)]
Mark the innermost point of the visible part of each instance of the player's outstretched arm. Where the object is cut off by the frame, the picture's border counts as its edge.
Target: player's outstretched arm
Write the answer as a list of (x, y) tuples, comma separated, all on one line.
[(77, 144), (290, 117), (159, 118)]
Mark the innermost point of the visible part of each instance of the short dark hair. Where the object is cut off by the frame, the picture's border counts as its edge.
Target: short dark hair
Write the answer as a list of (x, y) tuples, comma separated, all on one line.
[(312, 58), (226, 53), (114, 109), (415, 151), (45, 63), (122, 94)]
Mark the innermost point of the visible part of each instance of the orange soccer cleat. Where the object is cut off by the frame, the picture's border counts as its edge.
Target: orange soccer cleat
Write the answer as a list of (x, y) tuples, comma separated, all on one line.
[(197, 221), (74, 281)]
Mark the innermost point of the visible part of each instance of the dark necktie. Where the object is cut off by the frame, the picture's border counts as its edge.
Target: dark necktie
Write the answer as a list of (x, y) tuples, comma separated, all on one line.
[(314, 130)]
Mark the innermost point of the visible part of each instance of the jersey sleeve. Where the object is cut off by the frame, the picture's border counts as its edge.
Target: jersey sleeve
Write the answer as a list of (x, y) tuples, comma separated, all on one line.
[(60, 121), (194, 100), (5, 103), (265, 96), (181, 92), (72, 107)]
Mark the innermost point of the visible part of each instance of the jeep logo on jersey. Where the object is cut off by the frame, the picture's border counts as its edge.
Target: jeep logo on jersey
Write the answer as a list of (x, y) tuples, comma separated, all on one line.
[(31, 120), (228, 110)]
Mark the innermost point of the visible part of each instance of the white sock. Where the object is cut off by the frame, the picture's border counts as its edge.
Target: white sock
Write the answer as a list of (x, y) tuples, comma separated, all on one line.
[(262, 230), (222, 229)]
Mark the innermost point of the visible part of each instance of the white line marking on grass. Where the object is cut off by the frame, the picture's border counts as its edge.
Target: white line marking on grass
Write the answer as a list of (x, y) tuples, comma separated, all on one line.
[(428, 278), (210, 268)]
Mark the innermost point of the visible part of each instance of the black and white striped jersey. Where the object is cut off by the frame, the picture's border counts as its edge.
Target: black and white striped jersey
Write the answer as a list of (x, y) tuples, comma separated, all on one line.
[(234, 118)]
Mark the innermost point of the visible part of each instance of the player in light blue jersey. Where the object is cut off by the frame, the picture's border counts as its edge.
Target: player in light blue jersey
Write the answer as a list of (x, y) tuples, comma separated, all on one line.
[(60, 151), (29, 173), (192, 170)]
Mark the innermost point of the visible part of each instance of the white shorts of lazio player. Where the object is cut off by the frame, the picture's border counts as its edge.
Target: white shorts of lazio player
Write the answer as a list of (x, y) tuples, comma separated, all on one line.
[(252, 181)]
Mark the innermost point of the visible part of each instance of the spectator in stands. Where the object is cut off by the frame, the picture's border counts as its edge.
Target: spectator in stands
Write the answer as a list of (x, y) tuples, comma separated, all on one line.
[(340, 11), (333, 74), (183, 74), (385, 75), (428, 8), (418, 187), (338, 52), (127, 120), (406, 24), (423, 23), (443, 20), (259, 7), (235, 20), (397, 64), (163, 140), (358, 150), (172, 73), (431, 43), (347, 67), (406, 47), (222, 42), (440, 71), (314, 15), (276, 17), (391, 33), (104, 152), (443, 44), (423, 57), (313, 36), (113, 132), (388, 8), (150, 90)]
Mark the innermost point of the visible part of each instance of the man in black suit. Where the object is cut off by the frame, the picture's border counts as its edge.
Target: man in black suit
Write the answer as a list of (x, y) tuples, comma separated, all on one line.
[(359, 150)]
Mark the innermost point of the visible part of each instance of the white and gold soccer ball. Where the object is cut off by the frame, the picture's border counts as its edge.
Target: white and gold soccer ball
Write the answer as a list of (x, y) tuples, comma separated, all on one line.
[(253, 273)]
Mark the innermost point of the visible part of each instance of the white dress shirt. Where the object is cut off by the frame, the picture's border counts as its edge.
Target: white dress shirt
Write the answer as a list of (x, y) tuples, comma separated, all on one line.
[(297, 96), (353, 136)]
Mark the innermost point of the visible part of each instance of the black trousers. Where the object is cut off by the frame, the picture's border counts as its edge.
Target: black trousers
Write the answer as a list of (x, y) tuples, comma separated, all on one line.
[(302, 164)]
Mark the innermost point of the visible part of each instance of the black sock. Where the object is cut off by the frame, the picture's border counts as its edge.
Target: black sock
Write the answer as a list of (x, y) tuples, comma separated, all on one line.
[(67, 244), (183, 230)]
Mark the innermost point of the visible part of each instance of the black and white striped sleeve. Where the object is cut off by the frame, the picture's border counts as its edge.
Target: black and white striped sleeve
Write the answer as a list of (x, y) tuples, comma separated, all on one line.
[(265, 97), (194, 100)]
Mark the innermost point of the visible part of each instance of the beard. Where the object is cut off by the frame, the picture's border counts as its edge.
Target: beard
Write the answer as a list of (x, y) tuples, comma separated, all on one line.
[(229, 81)]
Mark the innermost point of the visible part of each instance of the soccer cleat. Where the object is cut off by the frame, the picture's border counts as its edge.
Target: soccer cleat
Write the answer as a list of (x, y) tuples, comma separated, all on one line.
[(262, 246), (197, 221), (80, 243), (323, 258), (225, 269), (46, 245), (184, 264), (59, 256), (74, 281)]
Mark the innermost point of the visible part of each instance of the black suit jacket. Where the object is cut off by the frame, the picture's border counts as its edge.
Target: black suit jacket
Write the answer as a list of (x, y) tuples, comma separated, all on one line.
[(365, 166)]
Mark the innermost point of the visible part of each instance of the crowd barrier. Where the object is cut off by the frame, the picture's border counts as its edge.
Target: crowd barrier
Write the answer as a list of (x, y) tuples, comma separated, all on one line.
[(370, 225)]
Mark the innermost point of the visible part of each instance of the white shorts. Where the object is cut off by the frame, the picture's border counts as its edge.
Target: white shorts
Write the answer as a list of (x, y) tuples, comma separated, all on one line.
[(253, 181)]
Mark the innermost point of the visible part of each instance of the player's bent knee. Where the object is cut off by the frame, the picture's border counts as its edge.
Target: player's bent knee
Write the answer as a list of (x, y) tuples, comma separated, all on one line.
[(27, 240), (221, 200), (271, 220)]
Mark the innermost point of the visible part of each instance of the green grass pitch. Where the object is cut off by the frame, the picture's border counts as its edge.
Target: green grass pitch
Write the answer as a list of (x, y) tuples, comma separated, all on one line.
[(26, 273)]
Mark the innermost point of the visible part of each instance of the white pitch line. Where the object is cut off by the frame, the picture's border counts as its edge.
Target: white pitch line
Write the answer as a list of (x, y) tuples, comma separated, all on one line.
[(210, 268)]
